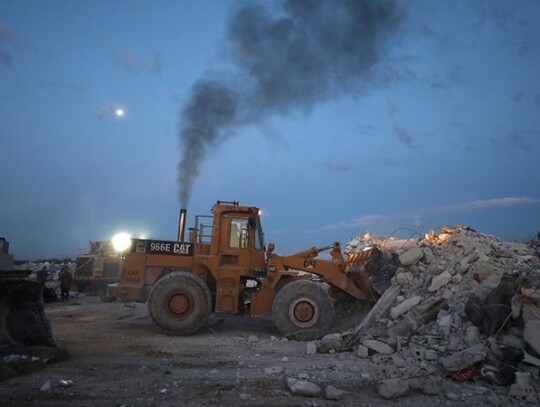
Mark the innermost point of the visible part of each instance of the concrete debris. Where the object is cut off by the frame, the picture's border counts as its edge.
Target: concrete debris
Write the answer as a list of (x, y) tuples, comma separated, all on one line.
[(331, 341), (362, 352), (393, 388), (449, 309), (440, 281), (465, 358), (311, 348), (65, 382), (45, 387), (405, 306), (450, 395), (274, 370), (403, 278), (425, 385), (411, 256), (333, 393), (378, 346), (303, 387), (518, 390)]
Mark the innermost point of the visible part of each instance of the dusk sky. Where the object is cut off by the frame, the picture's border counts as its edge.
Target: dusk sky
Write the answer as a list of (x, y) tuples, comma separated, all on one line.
[(334, 117)]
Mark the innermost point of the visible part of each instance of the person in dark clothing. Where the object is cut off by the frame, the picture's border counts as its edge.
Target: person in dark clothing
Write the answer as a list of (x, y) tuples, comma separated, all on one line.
[(65, 283), (42, 276)]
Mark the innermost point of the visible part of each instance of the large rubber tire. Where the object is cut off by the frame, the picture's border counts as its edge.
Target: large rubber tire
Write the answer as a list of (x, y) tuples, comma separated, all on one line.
[(180, 302), (303, 311), (22, 316)]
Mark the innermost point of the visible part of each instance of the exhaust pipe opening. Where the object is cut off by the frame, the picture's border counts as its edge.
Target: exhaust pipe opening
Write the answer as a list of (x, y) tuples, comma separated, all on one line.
[(181, 225)]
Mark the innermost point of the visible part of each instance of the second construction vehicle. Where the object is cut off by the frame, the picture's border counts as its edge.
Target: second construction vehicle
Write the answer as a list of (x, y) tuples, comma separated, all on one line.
[(225, 268), (97, 268)]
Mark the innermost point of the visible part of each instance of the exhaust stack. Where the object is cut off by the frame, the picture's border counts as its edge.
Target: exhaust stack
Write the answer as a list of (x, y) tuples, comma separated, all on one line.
[(181, 225)]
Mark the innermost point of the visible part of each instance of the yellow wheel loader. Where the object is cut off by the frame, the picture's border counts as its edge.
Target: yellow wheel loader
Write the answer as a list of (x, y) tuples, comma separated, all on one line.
[(224, 267)]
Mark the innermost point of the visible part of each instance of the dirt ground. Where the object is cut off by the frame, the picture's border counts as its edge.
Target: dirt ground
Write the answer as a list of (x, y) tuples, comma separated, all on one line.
[(118, 357)]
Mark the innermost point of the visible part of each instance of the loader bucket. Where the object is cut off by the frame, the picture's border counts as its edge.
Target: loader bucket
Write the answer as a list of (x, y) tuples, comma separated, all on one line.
[(370, 270), (22, 318)]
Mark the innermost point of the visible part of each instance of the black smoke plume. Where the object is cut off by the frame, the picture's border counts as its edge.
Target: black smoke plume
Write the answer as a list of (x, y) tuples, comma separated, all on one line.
[(285, 59)]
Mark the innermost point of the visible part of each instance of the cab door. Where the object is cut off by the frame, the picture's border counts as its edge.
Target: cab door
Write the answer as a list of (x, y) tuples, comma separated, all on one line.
[(240, 254)]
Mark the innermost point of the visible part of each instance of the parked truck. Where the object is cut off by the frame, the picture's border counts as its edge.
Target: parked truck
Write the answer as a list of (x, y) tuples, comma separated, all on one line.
[(225, 267)]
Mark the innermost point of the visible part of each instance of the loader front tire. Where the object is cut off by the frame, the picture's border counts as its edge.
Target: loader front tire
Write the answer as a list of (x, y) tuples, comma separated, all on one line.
[(303, 311), (180, 302)]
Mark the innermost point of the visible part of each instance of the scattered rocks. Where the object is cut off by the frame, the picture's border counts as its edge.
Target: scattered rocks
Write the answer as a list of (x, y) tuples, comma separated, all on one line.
[(411, 256), (46, 387), (393, 388), (303, 387), (333, 393), (465, 358), (425, 385), (311, 348), (440, 281), (404, 278), (362, 352), (274, 370), (378, 346), (405, 306), (331, 341)]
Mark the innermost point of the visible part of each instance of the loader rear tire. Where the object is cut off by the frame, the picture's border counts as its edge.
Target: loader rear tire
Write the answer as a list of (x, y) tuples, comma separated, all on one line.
[(303, 311), (180, 302)]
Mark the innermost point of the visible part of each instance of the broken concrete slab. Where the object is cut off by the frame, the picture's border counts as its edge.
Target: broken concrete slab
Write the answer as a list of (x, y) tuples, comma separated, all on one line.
[(411, 256), (362, 352), (378, 346), (332, 341), (465, 358), (311, 348), (393, 388), (333, 393), (426, 385), (404, 306), (303, 387), (440, 281), (404, 278), (273, 370)]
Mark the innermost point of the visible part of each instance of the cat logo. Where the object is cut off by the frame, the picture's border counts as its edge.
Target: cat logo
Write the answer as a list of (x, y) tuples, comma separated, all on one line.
[(309, 263)]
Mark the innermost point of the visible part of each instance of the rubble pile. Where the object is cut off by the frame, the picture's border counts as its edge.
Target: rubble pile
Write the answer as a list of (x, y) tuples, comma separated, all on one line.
[(461, 304)]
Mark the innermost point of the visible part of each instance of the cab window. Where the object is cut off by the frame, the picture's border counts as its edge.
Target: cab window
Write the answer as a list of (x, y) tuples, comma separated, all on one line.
[(239, 233), (259, 235)]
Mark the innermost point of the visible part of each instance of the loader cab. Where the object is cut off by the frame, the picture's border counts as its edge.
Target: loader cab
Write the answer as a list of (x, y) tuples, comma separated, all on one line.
[(238, 246)]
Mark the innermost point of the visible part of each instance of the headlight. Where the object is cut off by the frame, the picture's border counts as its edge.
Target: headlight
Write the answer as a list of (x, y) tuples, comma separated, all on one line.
[(121, 241)]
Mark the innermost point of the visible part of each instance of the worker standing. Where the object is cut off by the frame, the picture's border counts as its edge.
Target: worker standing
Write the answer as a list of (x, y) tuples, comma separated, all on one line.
[(42, 276), (65, 283)]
